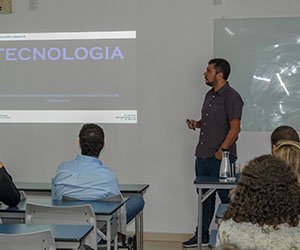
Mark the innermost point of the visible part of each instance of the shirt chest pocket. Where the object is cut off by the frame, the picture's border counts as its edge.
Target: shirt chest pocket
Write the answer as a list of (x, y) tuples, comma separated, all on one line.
[(218, 114)]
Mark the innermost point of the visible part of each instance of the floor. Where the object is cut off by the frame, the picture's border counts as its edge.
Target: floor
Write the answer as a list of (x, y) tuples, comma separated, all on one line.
[(161, 245)]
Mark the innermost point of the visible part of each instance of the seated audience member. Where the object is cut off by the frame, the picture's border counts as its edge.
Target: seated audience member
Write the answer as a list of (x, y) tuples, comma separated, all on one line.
[(283, 133), (9, 193), (264, 213), (86, 178), (290, 152)]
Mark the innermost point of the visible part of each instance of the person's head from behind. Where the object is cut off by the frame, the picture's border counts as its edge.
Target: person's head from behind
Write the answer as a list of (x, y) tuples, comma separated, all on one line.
[(283, 133), (267, 194), (91, 140), (289, 151), (218, 69)]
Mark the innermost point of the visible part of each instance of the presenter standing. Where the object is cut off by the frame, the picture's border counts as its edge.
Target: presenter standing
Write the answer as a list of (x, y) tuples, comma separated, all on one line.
[(219, 128)]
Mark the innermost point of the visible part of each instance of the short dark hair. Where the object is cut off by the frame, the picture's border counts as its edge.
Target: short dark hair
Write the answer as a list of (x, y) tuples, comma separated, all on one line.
[(221, 65), (266, 181), (284, 133), (91, 139)]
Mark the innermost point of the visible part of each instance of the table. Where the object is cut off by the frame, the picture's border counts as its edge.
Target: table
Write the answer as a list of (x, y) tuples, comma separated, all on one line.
[(105, 211), (127, 190), (212, 184), (44, 189), (65, 236)]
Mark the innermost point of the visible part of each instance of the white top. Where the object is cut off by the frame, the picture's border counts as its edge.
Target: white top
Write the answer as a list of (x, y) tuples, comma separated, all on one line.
[(252, 236)]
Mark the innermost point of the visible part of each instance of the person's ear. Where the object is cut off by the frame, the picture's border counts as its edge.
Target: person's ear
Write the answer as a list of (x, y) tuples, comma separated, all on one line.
[(219, 75), (273, 149)]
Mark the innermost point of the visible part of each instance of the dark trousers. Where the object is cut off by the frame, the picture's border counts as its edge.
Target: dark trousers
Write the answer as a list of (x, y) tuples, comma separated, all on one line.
[(210, 167)]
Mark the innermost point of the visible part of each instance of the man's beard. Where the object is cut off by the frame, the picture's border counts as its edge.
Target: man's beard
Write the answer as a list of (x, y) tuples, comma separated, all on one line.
[(210, 84)]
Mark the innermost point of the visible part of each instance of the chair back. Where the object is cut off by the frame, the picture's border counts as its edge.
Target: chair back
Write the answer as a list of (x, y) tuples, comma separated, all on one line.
[(66, 215), (119, 220), (22, 195), (27, 241)]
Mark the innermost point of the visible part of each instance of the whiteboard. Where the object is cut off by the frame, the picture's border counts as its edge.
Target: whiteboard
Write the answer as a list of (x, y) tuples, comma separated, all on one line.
[(265, 57)]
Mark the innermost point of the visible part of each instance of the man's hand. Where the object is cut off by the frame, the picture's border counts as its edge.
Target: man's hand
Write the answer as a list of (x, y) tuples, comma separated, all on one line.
[(218, 154), (1, 165), (192, 124)]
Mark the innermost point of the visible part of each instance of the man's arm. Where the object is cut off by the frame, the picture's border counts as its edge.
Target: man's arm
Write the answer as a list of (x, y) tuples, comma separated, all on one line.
[(9, 193), (235, 128)]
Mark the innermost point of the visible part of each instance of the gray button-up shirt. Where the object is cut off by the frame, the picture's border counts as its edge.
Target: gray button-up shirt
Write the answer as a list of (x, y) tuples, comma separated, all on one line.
[(219, 108)]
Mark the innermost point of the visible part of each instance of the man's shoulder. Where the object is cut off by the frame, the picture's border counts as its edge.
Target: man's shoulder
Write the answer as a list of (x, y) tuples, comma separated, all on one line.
[(108, 170), (233, 95), (232, 91), (66, 165)]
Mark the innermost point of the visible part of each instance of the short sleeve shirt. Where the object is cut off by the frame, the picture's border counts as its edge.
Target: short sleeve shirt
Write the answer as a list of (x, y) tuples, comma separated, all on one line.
[(219, 108), (246, 235)]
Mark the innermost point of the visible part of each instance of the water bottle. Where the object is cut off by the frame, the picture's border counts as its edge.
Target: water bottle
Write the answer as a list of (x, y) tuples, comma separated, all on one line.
[(225, 166)]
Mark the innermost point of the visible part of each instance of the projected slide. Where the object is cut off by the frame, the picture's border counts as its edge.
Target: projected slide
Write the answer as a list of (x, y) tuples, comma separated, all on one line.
[(68, 77)]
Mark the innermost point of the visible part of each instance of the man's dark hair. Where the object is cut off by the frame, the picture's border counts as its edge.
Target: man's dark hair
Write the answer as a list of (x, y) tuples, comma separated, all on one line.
[(284, 133), (221, 65), (91, 139)]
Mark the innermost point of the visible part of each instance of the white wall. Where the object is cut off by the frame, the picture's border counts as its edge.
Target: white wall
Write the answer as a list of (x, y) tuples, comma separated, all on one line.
[(175, 41)]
